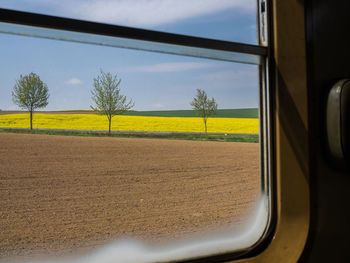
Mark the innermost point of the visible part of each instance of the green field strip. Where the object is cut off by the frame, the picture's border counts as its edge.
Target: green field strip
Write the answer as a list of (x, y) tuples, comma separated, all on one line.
[(222, 113)]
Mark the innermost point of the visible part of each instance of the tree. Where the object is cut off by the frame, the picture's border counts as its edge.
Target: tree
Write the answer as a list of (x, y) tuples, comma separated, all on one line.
[(203, 106), (30, 93), (106, 95)]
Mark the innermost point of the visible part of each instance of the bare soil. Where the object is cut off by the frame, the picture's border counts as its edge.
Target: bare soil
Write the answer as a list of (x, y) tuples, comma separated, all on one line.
[(64, 194)]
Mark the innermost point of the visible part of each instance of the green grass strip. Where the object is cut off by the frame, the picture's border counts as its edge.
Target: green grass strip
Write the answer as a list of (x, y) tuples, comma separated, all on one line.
[(192, 137)]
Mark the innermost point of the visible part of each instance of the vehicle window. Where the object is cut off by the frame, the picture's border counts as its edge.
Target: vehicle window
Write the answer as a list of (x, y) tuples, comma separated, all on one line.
[(232, 20), (134, 150)]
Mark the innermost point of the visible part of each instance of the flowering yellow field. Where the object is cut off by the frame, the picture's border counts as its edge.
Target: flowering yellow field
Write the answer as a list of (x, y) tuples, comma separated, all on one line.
[(129, 123)]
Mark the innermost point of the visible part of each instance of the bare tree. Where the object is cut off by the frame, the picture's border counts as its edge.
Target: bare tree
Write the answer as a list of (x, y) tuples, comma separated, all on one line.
[(30, 93), (203, 106), (107, 98)]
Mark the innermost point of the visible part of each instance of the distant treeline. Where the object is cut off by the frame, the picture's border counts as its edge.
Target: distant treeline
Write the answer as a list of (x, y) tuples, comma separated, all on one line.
[(223, 113)]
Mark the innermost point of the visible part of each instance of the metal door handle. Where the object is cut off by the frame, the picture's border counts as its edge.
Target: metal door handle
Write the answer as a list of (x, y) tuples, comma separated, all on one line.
[(338, 120)]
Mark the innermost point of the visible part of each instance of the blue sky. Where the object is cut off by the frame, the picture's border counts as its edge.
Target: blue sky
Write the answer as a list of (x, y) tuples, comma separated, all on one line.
[(154, 81)]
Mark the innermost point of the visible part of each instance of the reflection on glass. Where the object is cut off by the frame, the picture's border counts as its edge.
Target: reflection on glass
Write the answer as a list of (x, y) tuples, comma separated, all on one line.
[(129, 43), (159, 179)]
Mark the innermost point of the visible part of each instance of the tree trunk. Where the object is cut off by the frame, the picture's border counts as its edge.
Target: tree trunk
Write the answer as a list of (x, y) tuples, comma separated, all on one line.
[(31, 120), (109, 126), (205, 125)]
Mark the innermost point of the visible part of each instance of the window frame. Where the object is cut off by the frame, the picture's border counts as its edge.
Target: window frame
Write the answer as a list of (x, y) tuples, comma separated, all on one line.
[(284, 214)]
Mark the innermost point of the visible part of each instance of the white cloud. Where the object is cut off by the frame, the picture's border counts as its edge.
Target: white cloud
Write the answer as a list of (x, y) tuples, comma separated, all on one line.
[(144, 13), (241, 78), (154, 12), (169, 67), (241, 74), (74, 81), (158, 106)]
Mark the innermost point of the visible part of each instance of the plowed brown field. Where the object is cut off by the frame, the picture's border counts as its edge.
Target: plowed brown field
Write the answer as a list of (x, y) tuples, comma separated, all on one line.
[(63, 194)]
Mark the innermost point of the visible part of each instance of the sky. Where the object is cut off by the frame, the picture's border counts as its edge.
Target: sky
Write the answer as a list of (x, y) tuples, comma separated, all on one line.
[(154, 81)]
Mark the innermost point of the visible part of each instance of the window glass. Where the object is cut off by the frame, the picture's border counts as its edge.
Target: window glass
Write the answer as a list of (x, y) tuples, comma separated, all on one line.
[(159, 187), (232, 20)]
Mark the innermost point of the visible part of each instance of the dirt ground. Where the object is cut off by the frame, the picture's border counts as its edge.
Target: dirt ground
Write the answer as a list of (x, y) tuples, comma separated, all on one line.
[(65, 194)]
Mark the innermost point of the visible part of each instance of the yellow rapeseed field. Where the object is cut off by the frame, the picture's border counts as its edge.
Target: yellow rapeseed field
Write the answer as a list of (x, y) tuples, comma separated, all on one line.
[(129, 123)]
